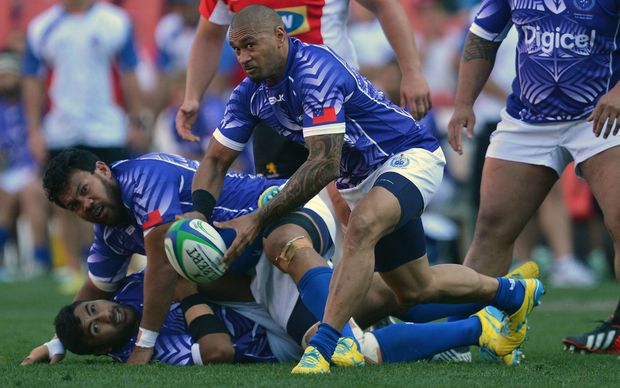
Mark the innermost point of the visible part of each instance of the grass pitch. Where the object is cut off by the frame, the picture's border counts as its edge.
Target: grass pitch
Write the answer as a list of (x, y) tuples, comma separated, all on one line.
[(27, 309)]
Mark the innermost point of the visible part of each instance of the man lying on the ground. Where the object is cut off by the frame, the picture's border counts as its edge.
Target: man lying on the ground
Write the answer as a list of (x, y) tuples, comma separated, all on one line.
[(198, 332), (133, 203)]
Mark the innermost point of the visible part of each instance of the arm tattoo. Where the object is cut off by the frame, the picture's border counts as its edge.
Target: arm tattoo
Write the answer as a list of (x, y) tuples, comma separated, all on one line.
[(478, 48), (321, 168)]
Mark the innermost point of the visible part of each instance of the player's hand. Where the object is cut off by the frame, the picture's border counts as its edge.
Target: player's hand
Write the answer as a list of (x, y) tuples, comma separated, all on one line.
[(192, 214), (186, 116), (37, 145), (247, 228), (414, 91), (140, 355), (463, 117), (604, 117), (41, 354)]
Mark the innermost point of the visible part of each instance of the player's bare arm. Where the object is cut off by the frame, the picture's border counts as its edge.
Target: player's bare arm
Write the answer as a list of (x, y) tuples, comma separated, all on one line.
[(322, 167), (476, 66), (159, 284), (209, 177), (202, 66), (604, 117), (414, 90)]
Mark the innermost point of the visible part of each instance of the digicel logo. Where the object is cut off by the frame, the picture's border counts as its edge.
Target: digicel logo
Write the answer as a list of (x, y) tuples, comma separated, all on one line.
[(547, 41)]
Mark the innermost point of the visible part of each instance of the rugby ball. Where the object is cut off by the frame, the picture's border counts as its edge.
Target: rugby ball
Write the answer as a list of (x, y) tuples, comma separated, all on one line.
[(195, 250)]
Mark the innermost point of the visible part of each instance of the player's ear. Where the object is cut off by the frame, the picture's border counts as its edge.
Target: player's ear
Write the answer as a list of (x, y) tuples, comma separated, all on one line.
[(103, 168), (280, 34)]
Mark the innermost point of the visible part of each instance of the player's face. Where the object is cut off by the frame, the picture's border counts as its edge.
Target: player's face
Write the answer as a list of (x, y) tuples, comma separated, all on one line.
[(259, 52), (106, 325), (95, 197)]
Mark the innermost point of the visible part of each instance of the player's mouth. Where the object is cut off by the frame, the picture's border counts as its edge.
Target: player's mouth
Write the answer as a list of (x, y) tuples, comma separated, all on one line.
[(118, 316)]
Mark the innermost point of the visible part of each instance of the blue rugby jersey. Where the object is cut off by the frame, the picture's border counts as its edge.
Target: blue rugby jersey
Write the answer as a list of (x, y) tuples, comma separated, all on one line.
[(567, 55), (320, 94), (174, 344), (154, 189)]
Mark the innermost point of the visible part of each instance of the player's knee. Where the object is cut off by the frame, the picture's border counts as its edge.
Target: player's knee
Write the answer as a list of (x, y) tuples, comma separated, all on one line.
[(413, 295)]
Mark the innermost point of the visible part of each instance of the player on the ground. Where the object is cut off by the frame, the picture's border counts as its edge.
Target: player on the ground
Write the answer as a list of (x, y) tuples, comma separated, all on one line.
[(564, 107), (386, 166), (198, 332), (132, 204)]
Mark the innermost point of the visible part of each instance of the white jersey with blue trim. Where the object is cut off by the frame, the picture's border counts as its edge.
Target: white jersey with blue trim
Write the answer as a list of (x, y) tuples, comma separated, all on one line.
[(174, 343), (81, 49), (319, 94), (154, 189), (567, 55)]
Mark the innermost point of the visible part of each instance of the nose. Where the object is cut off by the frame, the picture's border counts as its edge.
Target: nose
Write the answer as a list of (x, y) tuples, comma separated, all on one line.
[(86, 204), (104, 317), (244, 57)]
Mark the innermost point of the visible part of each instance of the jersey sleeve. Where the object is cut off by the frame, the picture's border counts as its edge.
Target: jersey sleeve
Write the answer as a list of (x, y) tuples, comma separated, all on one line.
[(107, 262), (156, 199), (216, 11), (127, 56), (239, 121), (32, 63), (323, 90), (493, 20)]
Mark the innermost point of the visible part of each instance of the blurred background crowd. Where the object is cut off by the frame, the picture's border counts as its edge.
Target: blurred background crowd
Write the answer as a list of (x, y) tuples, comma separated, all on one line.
[(118, 96)]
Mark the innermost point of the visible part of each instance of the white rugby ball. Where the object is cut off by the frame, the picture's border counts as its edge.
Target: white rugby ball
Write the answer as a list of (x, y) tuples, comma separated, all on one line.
[(195, 250)]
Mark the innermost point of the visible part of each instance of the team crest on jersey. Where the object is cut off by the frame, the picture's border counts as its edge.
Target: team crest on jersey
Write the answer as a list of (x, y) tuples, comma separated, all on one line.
[(555, 6), (400, 161), (584, 5), (295, 19)]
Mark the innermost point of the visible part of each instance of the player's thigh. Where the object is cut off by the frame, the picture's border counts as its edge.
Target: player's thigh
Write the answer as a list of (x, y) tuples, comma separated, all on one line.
[(510, 193), (602, 173), (376, 215), (8, 208)]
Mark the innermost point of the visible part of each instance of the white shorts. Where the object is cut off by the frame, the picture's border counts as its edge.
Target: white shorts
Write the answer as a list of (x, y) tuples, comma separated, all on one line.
[(14, 180), (276, 292), (421, 167), (553, 145)]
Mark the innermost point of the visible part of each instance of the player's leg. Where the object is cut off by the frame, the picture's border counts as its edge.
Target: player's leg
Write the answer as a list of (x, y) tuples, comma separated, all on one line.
[(604, 178), (8, 202), (510, 193), (296, 244), (35, 209)]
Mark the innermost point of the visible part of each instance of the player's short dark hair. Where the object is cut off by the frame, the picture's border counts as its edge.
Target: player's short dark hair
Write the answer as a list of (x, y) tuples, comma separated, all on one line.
[(59, 169), (69, 330)]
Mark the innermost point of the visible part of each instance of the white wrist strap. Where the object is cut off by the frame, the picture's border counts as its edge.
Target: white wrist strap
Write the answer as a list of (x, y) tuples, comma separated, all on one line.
[(54, 347), (146, 338)]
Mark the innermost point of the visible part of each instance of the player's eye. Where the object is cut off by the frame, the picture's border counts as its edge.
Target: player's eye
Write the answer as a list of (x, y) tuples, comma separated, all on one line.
[(94, 329), (250, 46), (84, 189)]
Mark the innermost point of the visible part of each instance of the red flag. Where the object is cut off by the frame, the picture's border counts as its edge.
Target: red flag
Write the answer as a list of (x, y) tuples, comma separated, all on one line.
[(152, 219), (329, 115)]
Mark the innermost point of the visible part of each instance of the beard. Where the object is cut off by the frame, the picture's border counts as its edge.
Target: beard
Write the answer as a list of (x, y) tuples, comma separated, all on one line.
[(118, 214)]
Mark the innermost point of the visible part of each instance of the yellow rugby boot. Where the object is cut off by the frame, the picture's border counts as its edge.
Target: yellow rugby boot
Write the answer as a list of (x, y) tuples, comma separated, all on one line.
[(527, 270), (347, 354), (312, 361)]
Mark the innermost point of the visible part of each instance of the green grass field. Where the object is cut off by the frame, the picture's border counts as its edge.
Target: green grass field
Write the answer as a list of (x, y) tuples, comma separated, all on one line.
[(27, 309)]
